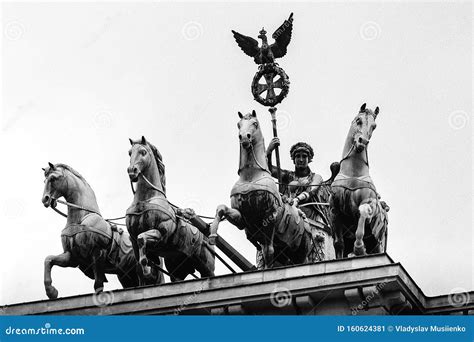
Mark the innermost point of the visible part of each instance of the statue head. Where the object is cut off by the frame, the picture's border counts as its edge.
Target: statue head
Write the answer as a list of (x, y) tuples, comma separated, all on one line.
[(302, 154), (363, 126)]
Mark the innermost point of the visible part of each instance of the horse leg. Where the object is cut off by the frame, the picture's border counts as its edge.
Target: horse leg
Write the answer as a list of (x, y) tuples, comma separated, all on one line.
[(98, 261), (206, 260), (365, 212), (127, 271), (268, 250), (339, 245), (337, 226), (232, 215), (150, 236), (63, 260), (268, 253)]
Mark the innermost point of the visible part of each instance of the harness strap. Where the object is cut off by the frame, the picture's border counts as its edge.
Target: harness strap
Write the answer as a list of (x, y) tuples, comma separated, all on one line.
[(353, 183), (75, 206), (352, 148)]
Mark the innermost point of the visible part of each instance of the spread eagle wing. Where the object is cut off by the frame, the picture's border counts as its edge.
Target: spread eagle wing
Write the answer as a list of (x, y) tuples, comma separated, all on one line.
[(282, 38), (247, 44)]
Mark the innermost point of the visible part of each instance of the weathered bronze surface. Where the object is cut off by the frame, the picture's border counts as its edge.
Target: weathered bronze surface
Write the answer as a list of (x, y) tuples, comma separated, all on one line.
[(89, 242), (359, 216), (155, 228), (274, 78), (270, 84), (267, 53), (277, 228), (302, 186)]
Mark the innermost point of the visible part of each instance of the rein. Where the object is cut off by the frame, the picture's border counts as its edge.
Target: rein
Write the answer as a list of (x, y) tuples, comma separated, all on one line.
[(149, 183), (73, 206), (256, 161), (352, 149), (85, 209), (163, 193), (313, 203)]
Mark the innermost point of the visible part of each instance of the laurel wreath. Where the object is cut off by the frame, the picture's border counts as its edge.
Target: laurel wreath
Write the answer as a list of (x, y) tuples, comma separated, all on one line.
[(274, 69)]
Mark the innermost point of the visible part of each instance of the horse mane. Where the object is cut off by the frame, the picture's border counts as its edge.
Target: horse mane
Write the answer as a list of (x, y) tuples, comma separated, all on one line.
[(74, 172), (159, 162)]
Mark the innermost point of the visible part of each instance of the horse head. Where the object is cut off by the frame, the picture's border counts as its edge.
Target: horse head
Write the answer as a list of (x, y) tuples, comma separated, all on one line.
[(141, 158), (363, 126), (249, 130), (145, 159), (55, 184)]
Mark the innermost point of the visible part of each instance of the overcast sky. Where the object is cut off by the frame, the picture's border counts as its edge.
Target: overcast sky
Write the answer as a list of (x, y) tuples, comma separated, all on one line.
[(80, 79)]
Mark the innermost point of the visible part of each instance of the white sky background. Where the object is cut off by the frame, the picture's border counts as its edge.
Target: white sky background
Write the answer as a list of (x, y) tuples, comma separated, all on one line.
[(80, 79)]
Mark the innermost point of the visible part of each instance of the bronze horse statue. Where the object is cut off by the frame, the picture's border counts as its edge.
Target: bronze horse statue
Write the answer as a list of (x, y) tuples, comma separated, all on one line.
[(154, 225), (89, 242), (276, 228), (359, 216)]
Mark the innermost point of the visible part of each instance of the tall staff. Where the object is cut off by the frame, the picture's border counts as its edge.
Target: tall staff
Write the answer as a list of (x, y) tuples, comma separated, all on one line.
[(274, 77), (272, 111)]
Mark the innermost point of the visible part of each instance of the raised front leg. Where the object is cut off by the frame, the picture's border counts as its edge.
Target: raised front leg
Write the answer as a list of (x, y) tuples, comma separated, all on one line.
[(224, 212), (365, 211), (63, 260), (152, 236)]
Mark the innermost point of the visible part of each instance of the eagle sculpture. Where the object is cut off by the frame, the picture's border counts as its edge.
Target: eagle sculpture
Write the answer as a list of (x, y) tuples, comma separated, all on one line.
[(267, 53)]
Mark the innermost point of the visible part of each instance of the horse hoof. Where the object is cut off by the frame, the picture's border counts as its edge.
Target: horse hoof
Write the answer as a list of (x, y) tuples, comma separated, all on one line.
[(51, 292), (212, 240), (147, 272), (143, 262), (359, 250)]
